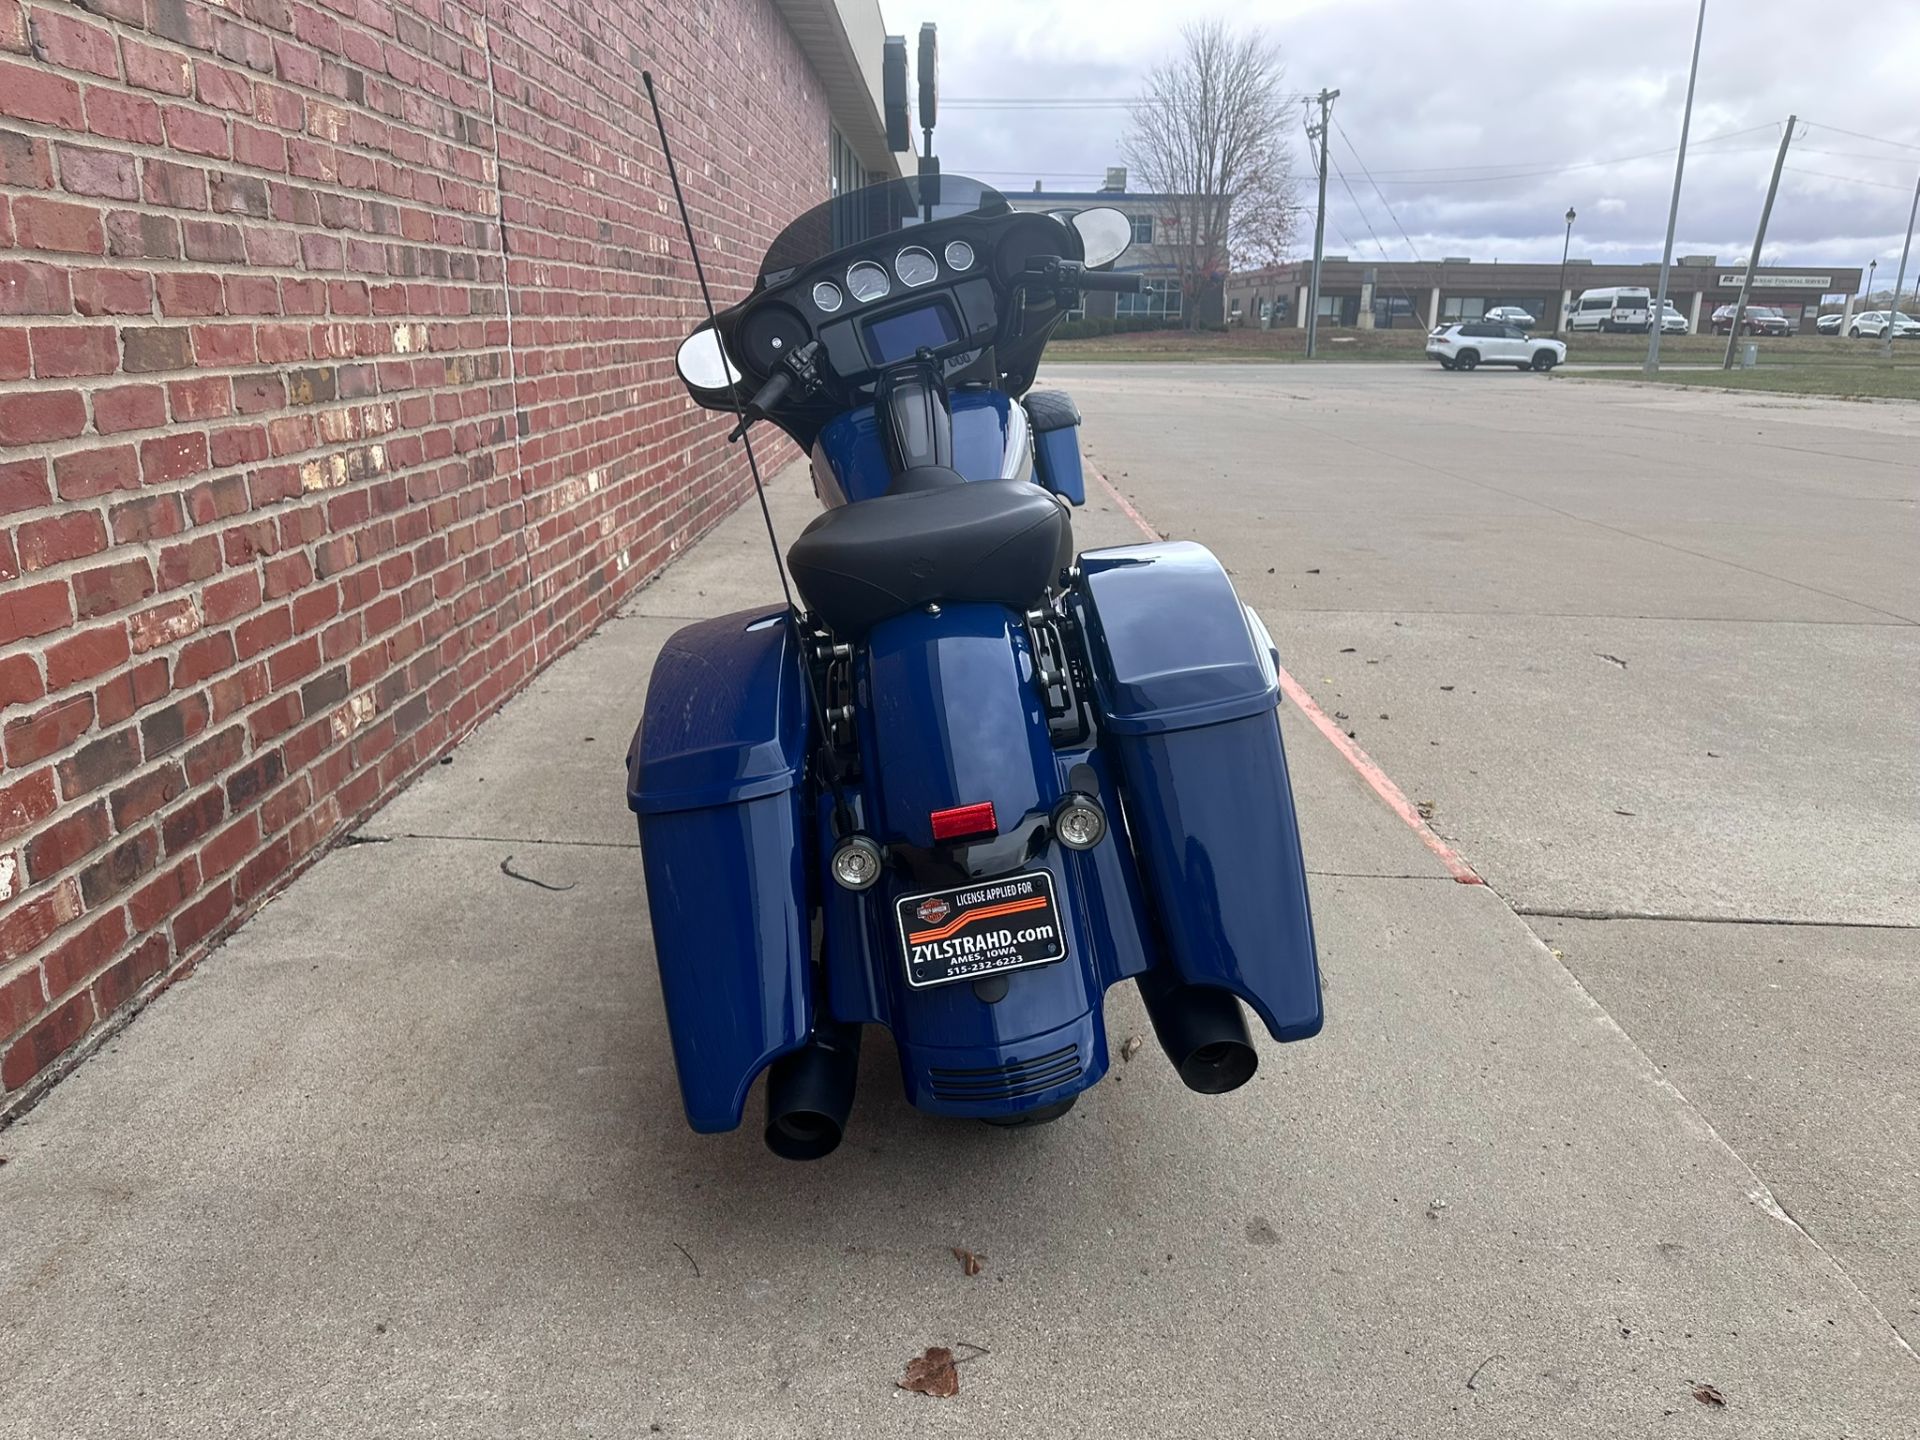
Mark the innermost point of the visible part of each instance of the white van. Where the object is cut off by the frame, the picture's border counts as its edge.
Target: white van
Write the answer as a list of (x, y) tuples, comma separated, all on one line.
[(1615, 307)]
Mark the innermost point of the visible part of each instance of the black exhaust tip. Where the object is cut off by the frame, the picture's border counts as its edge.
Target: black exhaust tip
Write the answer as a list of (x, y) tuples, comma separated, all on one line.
[(810, 1093), (1204, 1034)]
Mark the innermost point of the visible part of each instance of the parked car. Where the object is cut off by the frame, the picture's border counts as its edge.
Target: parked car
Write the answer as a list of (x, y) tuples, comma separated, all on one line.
[(1758, 320), (1482, 342), (1829, 324), (1672, 322), (1510, 315), (1613, 307), (1872, 325)]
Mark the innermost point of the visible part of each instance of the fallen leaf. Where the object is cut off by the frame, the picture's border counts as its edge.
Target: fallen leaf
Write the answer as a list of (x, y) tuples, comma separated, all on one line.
[(1446, 687), (1425, 807), (1130, 1048), (932, 1374), (1347, 649), (969, 1262), (1705, 1394), (1612, 659)]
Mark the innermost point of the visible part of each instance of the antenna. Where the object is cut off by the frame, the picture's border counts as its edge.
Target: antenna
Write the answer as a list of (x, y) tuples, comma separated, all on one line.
[(800, 639)]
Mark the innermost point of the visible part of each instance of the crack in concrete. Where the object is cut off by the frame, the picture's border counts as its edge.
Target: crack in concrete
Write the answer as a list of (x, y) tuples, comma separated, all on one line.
[(1682, 918)]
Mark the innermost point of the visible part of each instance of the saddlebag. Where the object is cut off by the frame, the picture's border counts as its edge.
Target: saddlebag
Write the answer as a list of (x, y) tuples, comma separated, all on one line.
[(714, 776), (1186, 686)]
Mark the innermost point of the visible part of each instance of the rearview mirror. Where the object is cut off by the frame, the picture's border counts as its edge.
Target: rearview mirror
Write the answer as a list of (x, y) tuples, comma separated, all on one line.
[(1105, 234), (702, 362)]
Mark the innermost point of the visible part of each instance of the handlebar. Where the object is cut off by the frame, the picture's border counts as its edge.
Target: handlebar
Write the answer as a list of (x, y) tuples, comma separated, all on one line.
[(1108, 280)]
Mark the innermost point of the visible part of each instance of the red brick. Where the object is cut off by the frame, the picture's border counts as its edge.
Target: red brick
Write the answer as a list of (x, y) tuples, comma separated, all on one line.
[(157, 347), (25, 161), (20, 682), (109, 174), (204, 397), (64, 351), (56, 225), (174, 725), (28, 925), (26, 801), (51, 1037), (125, 863), (172, 457), (129, 407), (86, 654), (146, 795), (165, 623), (31, 419), (39, 95), (72, 536), (135, 235), (169, 183), (84, 953), (202, 918), (263, 632), (223, 345), (29, 610), (16, 362), (150, 905), (191, 293), (121, 981), (195, 560), (215, 754), (196, 132), (260, 149), (112, 292), (72, 837), (32, 287), (152, 517), (161, 71), (99, 762), (87, 473), (112, 587), (203, 658), (224, 89), (119, 697), (213, 241), (21, 999), (115, 116), (72, 44)]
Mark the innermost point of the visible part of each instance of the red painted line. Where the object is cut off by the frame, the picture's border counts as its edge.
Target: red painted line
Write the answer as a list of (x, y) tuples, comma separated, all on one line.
[(1368, 768)]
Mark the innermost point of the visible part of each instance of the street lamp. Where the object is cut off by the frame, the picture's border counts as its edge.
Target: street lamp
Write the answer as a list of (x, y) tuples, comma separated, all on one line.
[(1872, 265), (1561, 313)]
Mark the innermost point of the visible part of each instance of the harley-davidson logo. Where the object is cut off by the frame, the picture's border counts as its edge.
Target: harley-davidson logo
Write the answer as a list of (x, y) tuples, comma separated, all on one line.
[(933, 910)]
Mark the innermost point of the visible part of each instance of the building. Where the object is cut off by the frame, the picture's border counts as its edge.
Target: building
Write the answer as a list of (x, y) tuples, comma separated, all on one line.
[(1391, 294), (336, 399), (1156, 219)]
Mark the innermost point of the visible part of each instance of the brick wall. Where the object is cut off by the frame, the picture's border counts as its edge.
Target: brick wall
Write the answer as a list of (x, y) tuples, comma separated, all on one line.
[(336, 399)]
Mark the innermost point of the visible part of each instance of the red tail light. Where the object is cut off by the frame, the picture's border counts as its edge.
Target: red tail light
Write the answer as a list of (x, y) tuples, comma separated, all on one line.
[(963, 821)]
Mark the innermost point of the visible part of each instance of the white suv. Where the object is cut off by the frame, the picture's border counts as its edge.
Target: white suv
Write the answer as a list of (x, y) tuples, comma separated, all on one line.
[(1873, 325), (1483, 342)]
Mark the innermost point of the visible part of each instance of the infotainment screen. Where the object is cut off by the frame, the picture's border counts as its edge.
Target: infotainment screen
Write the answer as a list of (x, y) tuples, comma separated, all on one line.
[(896, 337)]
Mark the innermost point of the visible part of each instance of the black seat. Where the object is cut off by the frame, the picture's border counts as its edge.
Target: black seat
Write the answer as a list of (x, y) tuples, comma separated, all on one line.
[(930, 538)]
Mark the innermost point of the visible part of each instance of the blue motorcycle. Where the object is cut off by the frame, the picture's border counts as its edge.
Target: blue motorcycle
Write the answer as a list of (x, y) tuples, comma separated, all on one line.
[(968, 778)]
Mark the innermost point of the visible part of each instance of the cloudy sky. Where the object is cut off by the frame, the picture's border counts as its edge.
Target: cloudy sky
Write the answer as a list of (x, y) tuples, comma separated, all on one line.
[(1483, 120)]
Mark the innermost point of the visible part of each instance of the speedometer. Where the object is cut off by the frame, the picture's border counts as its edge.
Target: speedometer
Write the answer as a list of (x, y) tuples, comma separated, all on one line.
[(868, 281), (915, 266)]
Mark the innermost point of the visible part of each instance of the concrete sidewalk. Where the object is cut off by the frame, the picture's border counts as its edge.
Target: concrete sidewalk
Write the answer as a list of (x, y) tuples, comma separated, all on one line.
[(406, 1158)]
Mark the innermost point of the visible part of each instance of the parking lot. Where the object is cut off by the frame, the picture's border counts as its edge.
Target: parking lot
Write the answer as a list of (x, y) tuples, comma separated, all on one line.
[(1626, 1129)]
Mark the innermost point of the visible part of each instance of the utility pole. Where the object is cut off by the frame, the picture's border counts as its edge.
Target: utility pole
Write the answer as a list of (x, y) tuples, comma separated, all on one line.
[(1673, 210), (1325, 100), (1893, 311), (1560, 301), (1759, 239)]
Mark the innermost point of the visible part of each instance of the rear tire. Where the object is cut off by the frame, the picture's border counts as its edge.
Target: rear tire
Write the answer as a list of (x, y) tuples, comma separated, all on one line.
[(1466, 359), (1544, 360)]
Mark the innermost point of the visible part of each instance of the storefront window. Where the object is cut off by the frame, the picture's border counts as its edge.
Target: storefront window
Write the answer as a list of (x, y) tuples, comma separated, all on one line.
[(1156, 297)]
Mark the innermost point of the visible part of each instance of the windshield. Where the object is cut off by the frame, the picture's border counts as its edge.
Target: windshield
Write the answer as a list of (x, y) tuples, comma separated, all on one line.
[(878, 210)]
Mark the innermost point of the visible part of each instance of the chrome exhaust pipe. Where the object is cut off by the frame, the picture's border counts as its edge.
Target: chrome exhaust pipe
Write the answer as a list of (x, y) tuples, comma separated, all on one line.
[(1203, 1033), (810, 1092)]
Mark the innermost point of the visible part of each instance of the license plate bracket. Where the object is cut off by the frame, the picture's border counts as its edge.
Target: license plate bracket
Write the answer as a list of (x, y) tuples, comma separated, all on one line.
[(987, 927)]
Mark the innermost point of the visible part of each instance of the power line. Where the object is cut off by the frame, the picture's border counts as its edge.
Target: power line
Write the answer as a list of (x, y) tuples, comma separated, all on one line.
[(1847, 179), (1412, 249), (1561, 169), (1874, 139)]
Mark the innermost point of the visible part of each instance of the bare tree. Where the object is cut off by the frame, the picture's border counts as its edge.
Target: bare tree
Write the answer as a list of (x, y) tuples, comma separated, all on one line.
[(1208, 131)]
